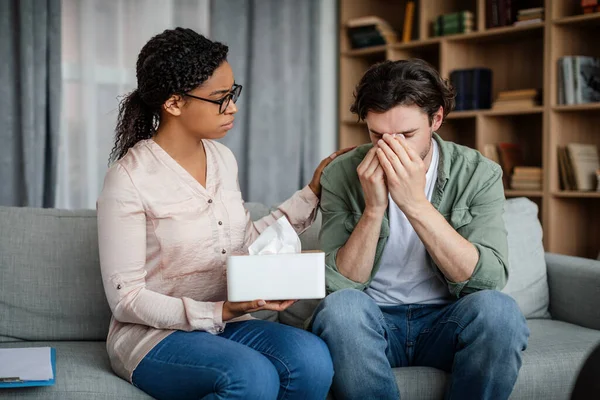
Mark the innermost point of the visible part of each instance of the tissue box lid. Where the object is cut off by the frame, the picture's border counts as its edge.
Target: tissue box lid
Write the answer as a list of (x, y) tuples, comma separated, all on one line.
[(276, 277)]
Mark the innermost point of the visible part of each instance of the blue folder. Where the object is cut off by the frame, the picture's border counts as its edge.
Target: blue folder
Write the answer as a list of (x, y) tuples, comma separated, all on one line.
[(19, 384)]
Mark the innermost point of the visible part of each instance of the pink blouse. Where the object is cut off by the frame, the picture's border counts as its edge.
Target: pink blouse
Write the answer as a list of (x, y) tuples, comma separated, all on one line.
[(164, 240)]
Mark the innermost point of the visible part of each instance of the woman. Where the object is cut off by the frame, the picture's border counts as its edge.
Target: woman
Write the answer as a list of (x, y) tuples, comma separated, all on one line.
[(169, 215)]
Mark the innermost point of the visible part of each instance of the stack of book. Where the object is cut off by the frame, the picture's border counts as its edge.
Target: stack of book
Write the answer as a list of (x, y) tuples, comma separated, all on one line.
[(516, 99), (526, 178), (578, 79), (453, 23), (516, 174), (590, 6), (370, 31), (530, 16), (578, 163), (473, 88)]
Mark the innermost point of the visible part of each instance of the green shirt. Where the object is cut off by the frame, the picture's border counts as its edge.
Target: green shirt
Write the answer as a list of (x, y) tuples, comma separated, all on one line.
[(468, 193)]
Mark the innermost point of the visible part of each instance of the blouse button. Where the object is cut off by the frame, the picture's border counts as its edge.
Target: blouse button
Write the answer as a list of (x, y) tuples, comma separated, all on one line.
[(119, 287), (220, 222), (209, 201), (223, 251)]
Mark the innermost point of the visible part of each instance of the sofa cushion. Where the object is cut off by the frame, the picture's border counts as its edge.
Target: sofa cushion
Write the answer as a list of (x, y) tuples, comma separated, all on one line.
[(527, 282), (82, 372), (50, 284)]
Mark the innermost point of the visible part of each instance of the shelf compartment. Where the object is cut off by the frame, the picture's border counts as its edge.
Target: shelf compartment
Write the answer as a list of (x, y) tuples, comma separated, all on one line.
[(573, 229), (499, 56), (460, 131), (563, 10), (570, 127), (522, 129)]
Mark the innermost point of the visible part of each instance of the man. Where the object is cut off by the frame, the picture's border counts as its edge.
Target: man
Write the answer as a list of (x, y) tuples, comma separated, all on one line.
[(416, 249)]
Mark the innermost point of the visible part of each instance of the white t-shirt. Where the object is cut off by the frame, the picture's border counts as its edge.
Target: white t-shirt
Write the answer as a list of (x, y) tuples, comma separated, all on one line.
[(404, 275)]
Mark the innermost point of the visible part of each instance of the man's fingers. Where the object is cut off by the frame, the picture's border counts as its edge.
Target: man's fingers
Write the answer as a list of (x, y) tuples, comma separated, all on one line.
[(384, 162), (366, 162), (372, 167), (411, 153), (397, 148), (392, 158)]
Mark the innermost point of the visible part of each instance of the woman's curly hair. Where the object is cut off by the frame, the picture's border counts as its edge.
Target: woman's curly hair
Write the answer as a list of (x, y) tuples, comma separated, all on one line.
[(172, 62)]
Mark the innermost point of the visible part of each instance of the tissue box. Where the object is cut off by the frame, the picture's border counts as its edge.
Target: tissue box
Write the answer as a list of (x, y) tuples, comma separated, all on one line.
[(276, 277)]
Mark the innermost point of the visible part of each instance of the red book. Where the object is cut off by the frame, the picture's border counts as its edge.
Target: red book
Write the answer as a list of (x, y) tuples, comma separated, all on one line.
[(510, 155)]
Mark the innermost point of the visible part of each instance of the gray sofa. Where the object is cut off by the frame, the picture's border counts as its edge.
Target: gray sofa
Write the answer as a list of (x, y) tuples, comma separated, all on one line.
[(51, 294)]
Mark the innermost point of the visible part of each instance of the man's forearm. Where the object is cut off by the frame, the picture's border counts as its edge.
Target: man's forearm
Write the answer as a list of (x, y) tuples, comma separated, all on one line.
[(454, 255), (355, 259)]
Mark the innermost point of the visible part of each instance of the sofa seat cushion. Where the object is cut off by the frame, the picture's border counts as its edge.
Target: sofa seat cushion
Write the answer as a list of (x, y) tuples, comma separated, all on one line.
[(555, 353), (551, 363), (82, 372)]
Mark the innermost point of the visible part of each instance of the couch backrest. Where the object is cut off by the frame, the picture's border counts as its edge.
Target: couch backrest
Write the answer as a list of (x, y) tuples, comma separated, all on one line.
[(51, 287), (50, 283)]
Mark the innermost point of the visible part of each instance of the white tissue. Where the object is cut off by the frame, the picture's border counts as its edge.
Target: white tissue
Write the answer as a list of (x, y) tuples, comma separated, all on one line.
[(279, 238)]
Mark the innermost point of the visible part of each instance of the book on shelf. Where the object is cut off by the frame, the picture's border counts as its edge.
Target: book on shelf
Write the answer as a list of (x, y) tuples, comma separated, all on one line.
[(589, 6), (499, 13), (578, 80), (584, 158), (591, 10), (517, 99), (473, 88), (409, 17), (510, 155), (578, 163), (453, 23), (369, 31), (528, 22), (529, 16), (526, 178), (524, 12)]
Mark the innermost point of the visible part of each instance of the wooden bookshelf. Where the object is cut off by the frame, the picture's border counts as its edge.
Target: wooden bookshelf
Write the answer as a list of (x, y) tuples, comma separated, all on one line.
[(520, 57)]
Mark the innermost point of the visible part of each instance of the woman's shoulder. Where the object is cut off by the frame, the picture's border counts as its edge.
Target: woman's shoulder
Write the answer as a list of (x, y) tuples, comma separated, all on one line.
[(120, 174)]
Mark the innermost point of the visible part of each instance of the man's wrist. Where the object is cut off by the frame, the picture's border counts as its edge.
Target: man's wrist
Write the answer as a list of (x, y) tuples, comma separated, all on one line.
[(374, 213), (417, 208)]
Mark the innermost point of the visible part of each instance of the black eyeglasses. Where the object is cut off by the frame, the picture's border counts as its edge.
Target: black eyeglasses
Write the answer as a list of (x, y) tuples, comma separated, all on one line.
[(223, 103)]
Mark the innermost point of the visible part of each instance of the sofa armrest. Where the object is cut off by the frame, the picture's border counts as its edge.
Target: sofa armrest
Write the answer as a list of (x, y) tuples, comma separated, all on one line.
[(574, 285)]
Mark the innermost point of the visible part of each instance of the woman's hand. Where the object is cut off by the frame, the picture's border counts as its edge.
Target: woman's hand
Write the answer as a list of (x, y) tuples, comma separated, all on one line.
[(315, 184), (234, 310)]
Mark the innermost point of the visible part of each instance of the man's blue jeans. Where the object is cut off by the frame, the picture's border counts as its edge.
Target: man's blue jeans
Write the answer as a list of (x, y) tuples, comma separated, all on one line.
[(249, 360), (478, 338)]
